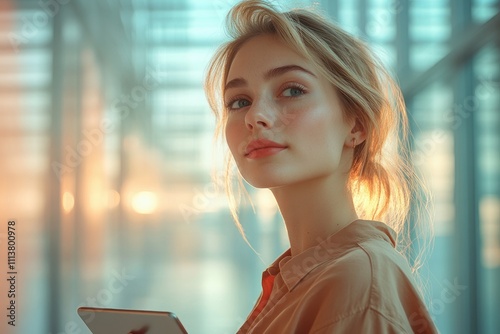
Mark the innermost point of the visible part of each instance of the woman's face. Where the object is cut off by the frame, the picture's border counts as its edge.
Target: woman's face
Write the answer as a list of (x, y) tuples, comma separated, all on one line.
[(284, 121)]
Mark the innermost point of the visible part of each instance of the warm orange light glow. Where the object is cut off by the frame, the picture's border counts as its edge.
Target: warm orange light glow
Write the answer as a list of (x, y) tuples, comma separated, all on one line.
[(145, 202), (113, 199), (68, 201), (489, 210)]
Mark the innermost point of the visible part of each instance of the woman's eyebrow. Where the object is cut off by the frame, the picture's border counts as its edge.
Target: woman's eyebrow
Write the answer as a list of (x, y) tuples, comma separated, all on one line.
[(272, 73)]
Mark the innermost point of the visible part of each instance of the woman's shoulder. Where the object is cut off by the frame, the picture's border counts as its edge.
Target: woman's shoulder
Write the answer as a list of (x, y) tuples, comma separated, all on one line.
[(370, 259), (366, 268), (360, 264), (371, 280)]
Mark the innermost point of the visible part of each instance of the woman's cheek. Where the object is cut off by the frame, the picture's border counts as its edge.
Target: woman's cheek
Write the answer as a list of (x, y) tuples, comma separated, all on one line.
[(230, 135), (235, 137), (291, 115)]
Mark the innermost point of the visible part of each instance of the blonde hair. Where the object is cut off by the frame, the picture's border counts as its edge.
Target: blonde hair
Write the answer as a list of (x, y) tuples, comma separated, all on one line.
[(382, 180)]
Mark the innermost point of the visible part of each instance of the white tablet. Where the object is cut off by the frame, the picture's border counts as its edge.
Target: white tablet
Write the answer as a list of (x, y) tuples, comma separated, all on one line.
[(117, 321)]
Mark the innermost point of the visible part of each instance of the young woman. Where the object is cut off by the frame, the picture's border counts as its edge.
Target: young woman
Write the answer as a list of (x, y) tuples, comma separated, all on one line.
[(309, 114)]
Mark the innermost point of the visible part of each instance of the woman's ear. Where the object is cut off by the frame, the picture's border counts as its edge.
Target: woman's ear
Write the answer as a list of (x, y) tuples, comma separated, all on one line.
[(357, 134)]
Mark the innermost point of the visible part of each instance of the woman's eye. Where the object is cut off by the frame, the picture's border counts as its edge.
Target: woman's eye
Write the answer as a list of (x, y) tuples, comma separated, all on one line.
[(293, 91), (239, 103)]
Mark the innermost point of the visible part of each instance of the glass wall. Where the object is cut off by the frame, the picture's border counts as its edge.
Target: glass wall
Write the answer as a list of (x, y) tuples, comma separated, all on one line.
[(107, 159)]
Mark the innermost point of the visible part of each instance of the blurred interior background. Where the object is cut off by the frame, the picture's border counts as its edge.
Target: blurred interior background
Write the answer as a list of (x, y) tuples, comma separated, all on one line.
[(106, 158)]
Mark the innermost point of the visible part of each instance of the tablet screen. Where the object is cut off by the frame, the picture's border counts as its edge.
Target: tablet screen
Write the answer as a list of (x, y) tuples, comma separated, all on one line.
[(117, 321)]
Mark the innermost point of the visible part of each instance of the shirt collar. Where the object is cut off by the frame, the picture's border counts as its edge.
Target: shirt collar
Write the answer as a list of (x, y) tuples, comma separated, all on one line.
[(294, 269)]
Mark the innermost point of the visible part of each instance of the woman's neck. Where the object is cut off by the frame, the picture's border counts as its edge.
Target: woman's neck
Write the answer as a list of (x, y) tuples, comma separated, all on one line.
[(314, 210)]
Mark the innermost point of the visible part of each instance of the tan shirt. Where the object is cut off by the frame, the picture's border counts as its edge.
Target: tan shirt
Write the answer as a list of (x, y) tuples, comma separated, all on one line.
[(352, 282)]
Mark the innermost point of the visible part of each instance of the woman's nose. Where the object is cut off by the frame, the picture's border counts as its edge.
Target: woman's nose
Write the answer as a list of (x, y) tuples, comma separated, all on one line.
[(260, 115)]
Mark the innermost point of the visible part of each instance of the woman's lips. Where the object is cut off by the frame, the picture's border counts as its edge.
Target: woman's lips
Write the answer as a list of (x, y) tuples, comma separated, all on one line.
[(261, 148)]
